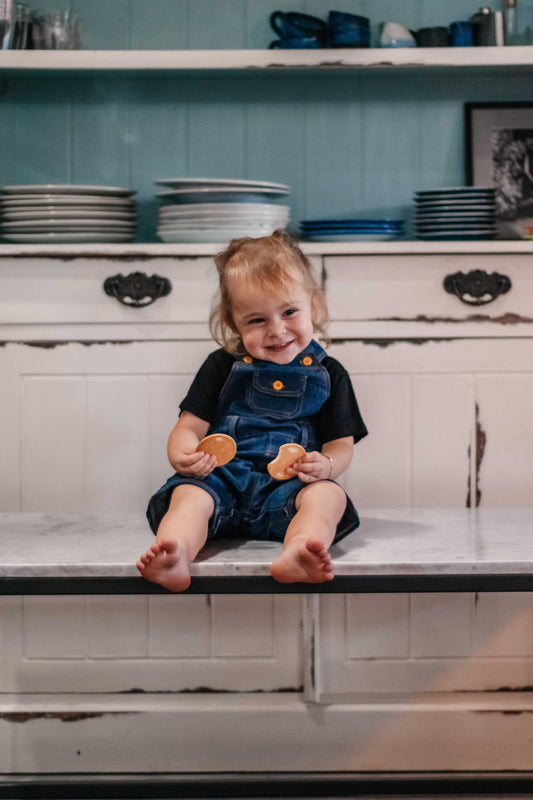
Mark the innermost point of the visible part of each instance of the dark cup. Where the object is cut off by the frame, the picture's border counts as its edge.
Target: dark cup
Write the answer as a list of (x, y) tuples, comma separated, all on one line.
[(432, 37), (349, 36), (344, 18), (461, 34), (297, 43), (293, 23)]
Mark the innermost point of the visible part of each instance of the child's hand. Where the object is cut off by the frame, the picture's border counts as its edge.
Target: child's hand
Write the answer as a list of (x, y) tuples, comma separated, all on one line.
[(194, 464), (314, 466)]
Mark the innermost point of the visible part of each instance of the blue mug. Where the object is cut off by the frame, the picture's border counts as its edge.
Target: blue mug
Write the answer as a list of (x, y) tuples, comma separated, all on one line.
[(297, 43), (293, 23), (344, 18), (461, 34), (349, 36)]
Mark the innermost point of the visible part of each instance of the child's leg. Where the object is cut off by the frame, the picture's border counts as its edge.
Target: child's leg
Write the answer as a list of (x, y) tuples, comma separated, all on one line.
[(181, 535), (305, 556)]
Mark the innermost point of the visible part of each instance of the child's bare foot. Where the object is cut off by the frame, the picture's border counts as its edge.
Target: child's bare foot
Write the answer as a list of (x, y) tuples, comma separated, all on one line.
[(303, 561), (166, 563)]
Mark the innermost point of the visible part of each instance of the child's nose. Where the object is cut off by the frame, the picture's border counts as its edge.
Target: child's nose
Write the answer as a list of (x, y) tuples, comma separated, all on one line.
[(276, 326)]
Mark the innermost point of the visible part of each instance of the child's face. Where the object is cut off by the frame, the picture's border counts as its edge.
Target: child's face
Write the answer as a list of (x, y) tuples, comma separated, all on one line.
[(273, 327)]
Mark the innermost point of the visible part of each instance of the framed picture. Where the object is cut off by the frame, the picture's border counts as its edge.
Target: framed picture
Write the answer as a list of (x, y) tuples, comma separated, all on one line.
[(499, 153)]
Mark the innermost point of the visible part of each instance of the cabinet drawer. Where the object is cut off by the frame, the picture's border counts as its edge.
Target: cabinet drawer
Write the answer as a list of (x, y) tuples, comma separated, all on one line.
[(59, 291), (385, 295)]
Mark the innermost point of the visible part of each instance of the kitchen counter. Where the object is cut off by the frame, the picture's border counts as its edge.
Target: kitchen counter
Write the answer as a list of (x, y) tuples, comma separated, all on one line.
[(393, 550)]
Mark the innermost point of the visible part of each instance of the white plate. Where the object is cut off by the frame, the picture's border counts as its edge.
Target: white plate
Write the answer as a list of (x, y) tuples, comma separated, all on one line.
[(456, 190), (215, 221), (220, 182), (89, 224), (196, 208), (209, 235), (261, 230), (67, 188), (445, 205), (201, 195), (66, 238), (174, 212), (75, 201), (48, 215)]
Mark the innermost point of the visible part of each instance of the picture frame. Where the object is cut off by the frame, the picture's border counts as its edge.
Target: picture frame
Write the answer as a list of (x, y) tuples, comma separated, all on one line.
[(499, 153)]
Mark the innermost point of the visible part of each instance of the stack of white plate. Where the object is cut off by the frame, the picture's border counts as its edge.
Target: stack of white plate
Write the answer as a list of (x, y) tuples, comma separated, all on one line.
[(219, 209), (67, 213), (456, 212)]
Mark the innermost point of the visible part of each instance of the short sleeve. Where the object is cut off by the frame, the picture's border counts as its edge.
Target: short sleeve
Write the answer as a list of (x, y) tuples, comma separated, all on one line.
[(340, 415), (204, 392)]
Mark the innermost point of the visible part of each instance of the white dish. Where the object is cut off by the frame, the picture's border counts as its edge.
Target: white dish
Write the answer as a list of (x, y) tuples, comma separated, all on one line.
[(200, 195), (45, 214), (260, 230), (89, 224), (67, 188), (456, 190), (36, 201), (196, 208), (66, 238), (209, 235), (238, 210), (219, 182), (467, 205)]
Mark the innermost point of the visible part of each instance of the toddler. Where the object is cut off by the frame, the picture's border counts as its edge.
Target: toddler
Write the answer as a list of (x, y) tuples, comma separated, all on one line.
[(270, 383)]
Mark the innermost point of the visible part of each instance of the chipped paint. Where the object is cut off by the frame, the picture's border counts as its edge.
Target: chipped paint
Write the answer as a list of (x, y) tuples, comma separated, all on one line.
[(503, 319), (480, 441), (50, 344), (391, 340), (62, 716), (121, 258)]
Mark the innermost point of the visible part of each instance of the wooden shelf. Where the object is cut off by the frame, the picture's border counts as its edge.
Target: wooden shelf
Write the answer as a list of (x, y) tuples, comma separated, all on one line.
[(64, 61), (149, 250)]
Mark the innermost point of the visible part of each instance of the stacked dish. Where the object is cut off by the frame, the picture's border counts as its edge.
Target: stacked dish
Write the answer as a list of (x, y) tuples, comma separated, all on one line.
[(455, 213), (219, 209), (67, 213), (351, 230)]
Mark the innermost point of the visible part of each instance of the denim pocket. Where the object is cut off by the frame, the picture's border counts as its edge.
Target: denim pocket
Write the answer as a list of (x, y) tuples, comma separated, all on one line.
[(278, 397)]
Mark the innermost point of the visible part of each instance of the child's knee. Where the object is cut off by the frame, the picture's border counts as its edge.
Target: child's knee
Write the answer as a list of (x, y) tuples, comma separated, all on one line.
[(322, 496), (192, 495)]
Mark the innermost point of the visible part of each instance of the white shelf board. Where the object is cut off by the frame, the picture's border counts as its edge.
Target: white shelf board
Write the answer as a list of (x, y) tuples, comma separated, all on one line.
[(244, 60), (129, 251)]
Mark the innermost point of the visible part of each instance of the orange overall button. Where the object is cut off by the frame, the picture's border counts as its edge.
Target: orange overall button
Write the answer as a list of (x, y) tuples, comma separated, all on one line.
[(247, 359), (278, 386), (307, 361)]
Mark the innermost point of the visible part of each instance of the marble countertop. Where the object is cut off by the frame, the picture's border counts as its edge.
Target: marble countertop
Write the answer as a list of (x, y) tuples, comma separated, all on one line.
[(388, 542)]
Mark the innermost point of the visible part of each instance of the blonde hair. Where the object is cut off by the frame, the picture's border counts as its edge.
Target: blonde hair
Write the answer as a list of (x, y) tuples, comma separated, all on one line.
[(273, 263)]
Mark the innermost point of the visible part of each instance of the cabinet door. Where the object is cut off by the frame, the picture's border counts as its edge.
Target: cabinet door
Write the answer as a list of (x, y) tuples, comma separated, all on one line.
[(84, 428), (450, 426)]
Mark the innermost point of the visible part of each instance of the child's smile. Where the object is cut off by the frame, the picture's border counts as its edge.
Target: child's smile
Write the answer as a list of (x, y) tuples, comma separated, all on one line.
[(273, 327)]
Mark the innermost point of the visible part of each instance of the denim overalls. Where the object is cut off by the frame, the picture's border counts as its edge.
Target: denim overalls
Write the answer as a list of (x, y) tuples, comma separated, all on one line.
[(262, 406)]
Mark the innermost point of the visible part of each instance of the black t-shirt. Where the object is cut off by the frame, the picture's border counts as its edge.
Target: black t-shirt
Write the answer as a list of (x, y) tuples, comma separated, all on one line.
[(338, 418)]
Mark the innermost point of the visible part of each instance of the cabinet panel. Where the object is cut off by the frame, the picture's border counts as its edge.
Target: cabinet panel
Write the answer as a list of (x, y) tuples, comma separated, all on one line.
[(91, 431), (464, 410), (407, 294)]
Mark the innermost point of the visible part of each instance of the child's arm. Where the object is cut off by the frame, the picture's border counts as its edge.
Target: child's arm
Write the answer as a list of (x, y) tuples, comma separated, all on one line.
[(331, 462), (182, 443)]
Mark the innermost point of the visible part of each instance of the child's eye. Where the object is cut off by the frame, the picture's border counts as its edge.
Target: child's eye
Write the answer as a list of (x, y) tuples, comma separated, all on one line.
[(255, 321), (290, 311)]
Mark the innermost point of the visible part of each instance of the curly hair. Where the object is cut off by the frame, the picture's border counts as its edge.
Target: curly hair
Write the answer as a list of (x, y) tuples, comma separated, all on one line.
[(273, 263)]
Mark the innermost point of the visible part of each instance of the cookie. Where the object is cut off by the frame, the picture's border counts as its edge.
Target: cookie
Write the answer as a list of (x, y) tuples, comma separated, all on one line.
[(220, 445), (287, 455)]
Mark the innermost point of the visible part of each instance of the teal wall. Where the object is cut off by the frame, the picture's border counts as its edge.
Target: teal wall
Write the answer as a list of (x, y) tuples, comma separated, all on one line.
[(347, 143)]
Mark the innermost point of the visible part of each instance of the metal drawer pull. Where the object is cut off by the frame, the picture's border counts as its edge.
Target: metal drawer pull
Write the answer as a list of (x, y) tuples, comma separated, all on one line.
[(137, 289), (477, 288)]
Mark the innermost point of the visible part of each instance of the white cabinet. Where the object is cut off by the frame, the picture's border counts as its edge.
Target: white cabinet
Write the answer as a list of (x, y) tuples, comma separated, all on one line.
[(90, 389)]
